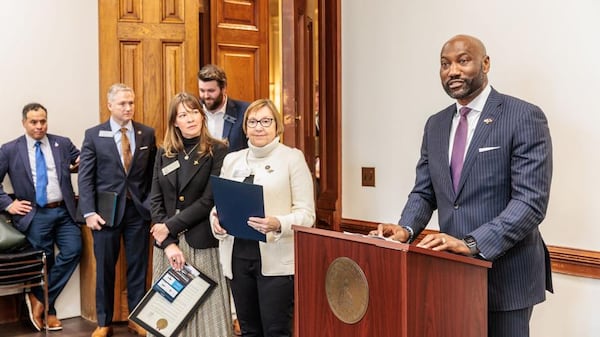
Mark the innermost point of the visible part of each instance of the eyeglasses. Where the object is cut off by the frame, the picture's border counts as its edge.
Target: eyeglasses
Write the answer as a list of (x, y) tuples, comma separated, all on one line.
[(264, 122)]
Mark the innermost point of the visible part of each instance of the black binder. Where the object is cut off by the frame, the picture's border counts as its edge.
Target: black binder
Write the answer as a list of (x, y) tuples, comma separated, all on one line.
[(106, 207)]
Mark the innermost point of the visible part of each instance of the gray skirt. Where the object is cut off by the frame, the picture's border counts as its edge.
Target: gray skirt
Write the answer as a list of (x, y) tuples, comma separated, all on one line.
[(213, 318)]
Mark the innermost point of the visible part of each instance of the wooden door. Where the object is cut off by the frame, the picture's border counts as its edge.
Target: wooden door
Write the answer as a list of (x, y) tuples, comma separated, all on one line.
[(152, 46), (239, 29)]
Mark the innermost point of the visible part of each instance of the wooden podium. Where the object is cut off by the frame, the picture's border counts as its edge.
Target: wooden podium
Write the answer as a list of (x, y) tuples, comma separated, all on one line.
[(412, 292)]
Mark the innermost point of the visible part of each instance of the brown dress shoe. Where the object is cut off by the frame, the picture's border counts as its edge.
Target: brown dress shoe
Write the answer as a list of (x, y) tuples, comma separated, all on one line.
[(53, 323), (35, 309), (236, 327), (135, 329), (103, 331)]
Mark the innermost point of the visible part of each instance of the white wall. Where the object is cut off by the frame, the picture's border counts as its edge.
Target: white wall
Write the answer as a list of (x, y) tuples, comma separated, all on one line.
[(50, 55), (542, 51)]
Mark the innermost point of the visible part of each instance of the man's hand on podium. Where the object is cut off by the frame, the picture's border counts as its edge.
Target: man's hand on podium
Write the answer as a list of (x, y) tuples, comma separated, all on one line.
[(442, 241), (391, 231)]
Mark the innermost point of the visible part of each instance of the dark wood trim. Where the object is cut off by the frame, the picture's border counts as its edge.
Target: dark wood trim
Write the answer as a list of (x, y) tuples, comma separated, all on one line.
[(565, 260), (330, 114)]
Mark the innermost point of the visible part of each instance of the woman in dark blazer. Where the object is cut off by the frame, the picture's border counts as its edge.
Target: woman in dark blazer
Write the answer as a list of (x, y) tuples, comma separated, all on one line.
[(181, 200)]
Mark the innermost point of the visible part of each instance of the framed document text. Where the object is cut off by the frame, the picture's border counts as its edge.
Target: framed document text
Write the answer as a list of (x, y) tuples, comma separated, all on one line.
[(172, 300)]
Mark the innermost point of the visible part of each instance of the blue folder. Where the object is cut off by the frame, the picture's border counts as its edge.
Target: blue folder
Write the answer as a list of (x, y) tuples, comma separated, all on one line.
[(236, 202)]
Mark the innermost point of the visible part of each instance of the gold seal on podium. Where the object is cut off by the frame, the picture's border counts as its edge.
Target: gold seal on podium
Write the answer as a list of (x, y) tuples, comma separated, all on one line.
[(347, 290)]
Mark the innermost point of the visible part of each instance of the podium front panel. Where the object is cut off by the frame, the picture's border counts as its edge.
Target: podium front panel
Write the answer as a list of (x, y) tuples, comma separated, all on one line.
[(412, 292)]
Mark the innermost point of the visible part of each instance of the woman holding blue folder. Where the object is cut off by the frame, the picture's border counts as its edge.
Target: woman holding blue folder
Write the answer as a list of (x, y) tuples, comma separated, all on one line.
[(262, 273)]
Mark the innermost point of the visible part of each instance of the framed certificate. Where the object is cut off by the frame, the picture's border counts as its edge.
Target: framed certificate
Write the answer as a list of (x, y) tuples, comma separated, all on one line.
[(172, 300)]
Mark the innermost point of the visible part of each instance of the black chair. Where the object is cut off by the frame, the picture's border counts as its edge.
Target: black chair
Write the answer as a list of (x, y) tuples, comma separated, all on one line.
[(25, 270)]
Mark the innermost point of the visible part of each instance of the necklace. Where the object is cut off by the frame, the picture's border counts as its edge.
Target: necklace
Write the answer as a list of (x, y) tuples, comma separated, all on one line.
[(187, 154)]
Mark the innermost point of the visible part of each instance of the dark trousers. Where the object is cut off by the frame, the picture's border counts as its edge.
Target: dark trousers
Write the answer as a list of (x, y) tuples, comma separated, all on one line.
[(107, 242), (513, 323), (50, 227), (264, 304)]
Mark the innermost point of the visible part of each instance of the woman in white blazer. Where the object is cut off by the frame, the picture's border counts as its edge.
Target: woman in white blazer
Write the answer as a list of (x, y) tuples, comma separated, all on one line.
[(262, 273)]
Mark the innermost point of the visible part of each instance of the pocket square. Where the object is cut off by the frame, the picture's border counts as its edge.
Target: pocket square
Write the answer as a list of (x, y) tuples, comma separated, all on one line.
[(144, 148), (486, 149)]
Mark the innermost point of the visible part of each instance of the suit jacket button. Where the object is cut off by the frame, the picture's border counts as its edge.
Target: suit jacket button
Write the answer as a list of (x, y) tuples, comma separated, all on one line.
[(455, 206), (181, 198)]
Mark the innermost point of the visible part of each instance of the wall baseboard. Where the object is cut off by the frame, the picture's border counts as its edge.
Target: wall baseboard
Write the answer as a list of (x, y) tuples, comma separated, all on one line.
[(565, 260)]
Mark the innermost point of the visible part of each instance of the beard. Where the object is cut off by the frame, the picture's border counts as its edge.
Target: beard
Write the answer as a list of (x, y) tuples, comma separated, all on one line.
[(211, 106), (469, 87)]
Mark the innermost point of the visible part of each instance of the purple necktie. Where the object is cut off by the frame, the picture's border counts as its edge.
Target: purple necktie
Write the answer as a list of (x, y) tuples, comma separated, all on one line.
[(460, 144)]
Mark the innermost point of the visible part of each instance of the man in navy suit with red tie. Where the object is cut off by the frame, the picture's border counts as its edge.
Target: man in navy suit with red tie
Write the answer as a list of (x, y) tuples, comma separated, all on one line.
[(486, 167), (118, 156), (39, 166)]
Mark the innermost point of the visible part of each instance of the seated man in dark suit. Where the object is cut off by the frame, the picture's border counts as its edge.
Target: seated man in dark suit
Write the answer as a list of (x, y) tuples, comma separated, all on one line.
[(39, 165)]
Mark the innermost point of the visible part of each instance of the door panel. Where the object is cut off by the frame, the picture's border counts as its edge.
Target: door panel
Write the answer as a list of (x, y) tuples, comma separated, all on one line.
[(244, 60), (240, 46)]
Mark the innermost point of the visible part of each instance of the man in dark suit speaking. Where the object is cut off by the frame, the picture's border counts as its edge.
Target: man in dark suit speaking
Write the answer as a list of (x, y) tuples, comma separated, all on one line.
[(486, 166), (118, 156)]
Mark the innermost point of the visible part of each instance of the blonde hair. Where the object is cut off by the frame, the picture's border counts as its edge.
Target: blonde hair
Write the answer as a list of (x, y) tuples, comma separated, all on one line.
[(116, 88), (259, 104), (173, 141)]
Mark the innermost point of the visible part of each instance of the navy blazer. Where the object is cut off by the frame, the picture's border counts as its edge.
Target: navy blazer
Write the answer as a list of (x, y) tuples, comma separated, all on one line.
[(101, 170), (14, 160), (501, 199), (232, 127), (193, 198)]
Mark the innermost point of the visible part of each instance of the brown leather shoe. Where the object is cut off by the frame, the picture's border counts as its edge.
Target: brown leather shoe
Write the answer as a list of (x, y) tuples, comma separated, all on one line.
[(53, 323), (35, 309), (236, 327), (103, 331), (135, 329)]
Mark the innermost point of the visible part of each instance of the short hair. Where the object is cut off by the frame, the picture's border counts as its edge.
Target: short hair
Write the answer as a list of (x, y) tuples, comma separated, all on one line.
[(116, 88), (211, 72), (32, 106), (259, 104)]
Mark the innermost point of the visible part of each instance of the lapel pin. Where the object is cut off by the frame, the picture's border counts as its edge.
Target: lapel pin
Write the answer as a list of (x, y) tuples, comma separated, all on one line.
[(195, 162), (488, 120), (55, 144), (139, 132)]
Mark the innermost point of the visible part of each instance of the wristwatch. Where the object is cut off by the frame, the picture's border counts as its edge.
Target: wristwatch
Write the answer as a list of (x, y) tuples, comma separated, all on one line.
[(471, 244)]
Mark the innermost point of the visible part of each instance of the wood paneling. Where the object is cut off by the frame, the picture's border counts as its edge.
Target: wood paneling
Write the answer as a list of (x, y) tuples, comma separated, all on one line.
[(152, 46), (240, 46), (240, 15), (245, 59), (565, 260)]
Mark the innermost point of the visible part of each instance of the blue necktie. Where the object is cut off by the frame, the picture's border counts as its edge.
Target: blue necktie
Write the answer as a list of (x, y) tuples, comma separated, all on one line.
[(41, 176)]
